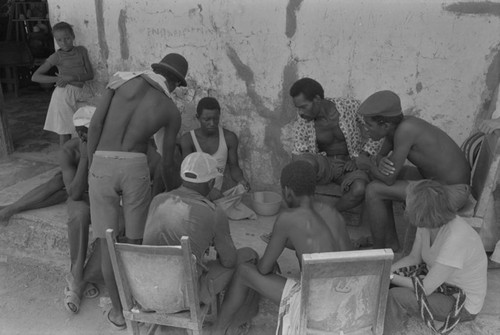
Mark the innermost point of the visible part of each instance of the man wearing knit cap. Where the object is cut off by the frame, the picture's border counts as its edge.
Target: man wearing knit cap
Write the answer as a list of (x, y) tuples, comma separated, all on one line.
[(432, 152), (186, 211), (135, 106)]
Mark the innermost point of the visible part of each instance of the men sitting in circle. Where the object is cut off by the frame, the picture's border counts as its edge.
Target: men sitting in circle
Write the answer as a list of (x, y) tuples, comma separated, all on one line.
[(74, 166), (217, 141), (308, 226), (454, 288), (432, 152), (328, 136), (186, 211)]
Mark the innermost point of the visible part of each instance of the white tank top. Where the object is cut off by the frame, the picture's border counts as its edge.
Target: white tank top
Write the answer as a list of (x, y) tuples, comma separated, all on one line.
[(220, 155)]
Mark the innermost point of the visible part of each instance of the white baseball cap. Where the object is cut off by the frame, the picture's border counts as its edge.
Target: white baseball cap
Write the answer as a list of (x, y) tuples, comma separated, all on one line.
[(199, 167), (83, 116)]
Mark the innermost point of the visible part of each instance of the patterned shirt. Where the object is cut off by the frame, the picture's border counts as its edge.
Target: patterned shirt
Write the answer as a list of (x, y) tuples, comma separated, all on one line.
[(350, 123)]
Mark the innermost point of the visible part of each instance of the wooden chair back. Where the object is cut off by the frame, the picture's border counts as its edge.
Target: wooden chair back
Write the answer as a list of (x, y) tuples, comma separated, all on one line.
[(345, 292), (157, 284)]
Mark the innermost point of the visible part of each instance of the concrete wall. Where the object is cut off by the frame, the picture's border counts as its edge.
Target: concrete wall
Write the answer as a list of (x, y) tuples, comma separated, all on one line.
[(441, 57)]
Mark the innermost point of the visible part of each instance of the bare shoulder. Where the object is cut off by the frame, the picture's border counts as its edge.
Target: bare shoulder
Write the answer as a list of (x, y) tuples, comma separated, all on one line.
[(326, 211), (230, 136)]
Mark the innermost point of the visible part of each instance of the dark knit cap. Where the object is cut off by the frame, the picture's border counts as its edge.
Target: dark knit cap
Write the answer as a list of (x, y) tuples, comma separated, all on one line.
[(383, 103)]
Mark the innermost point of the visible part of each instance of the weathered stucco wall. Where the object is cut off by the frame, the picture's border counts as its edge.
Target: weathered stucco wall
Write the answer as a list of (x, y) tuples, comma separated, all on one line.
[(442, 58)]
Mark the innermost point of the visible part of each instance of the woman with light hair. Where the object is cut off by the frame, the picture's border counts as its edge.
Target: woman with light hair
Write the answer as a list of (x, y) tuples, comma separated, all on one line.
[(444, 276)]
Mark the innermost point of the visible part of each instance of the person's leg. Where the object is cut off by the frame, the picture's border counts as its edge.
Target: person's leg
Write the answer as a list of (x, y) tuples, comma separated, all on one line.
[(352, 198), (78, 237), (247, 277), (378, 211), (47, 194), (402, 303), (64, 138)]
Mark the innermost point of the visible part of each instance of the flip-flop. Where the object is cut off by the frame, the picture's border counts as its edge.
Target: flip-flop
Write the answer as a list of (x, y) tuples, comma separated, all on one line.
[(71, 300), (115, 325), (91, 291)]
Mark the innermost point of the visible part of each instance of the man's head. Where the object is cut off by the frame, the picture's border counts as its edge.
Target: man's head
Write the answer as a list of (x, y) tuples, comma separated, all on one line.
[(198, 171), (381, 113), (298, 179), (174, 68), (208, 113), (306, 94), (81, 120), (64, 35)]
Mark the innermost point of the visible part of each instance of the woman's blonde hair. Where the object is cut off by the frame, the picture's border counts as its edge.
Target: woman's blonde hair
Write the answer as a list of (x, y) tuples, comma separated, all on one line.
[(428, 204)]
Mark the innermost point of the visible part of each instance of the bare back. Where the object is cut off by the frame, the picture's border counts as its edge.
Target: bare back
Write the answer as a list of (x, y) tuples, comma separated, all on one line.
[(136, 111), (431, 150)]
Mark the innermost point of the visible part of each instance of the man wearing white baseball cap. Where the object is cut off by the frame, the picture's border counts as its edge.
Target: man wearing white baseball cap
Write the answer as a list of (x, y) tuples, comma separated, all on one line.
[(186, 211)]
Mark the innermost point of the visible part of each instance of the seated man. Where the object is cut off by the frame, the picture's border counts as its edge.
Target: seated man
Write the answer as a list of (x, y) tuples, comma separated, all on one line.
[(329, 138), (308, 226), (186, 211), (74, 167), (435, 156), (219, 142)]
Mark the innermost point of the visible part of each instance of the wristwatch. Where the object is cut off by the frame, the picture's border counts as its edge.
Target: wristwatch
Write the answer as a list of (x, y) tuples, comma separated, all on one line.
[(391, 277)]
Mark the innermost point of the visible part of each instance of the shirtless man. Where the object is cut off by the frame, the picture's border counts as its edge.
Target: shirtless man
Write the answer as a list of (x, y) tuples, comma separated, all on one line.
[(219, 142), (135, 106), (434, 154), (308, 226), (338, 141)]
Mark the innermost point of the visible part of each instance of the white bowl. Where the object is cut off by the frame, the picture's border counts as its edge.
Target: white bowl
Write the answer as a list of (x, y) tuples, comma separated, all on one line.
[(266, 203)]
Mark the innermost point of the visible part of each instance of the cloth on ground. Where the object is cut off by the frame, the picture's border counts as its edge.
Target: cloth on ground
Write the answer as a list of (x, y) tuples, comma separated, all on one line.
[(289, 310), (232, 205), (155, 80)]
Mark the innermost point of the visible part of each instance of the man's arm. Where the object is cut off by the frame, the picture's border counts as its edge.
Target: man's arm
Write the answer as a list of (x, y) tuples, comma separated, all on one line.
[(275, 247), (232, 159), (169, 171), (186, 143), (97, 122), (75, 176), (223, 242), (403, 141)]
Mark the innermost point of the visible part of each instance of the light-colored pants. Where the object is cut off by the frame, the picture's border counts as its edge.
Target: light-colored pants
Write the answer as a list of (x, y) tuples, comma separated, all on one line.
[(114, 176)]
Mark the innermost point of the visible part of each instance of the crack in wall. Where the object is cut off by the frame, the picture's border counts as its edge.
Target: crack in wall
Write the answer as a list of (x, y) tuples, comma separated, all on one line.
[(101, 32), (122, 29)]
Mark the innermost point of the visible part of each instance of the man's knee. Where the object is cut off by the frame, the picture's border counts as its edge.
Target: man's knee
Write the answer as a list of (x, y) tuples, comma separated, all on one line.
[(357, 188), (247, 255)]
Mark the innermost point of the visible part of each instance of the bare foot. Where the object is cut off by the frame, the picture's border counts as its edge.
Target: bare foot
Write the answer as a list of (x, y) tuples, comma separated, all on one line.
[(116, 319), (5, 214)]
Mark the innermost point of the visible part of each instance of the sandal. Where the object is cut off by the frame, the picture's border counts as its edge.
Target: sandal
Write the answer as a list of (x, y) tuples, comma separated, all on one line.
[(91, 291), (116, 326), (71, 300)]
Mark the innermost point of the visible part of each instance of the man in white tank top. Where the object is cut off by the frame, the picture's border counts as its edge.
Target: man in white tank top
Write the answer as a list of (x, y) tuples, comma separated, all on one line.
[(211, 138)]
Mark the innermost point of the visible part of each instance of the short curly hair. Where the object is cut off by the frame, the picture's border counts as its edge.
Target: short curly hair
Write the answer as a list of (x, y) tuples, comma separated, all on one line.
[(310, 88), (300, 177), (64, 26)]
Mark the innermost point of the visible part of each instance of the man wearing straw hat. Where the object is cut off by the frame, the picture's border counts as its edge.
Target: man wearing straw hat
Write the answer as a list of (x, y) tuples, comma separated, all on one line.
[(135, 106)]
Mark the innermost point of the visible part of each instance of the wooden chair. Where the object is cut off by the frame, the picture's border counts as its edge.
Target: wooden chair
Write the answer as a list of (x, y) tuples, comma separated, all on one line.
[(484, 157), (158, 285), (345, 292)]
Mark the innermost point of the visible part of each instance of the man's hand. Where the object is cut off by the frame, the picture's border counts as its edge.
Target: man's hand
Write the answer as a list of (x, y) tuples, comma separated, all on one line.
[(386, 166), (83, 150), (350, 165), (489, 126), (63, 80), (363, 162), (245, 184)]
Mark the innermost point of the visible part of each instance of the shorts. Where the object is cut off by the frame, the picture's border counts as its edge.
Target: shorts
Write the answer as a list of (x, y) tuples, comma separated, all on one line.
[(115, 176), (289, 311), (63, 104), (459, 194)]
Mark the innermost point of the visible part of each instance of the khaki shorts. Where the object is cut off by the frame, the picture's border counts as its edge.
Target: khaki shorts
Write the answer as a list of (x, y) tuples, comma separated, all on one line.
[(116, 176)]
